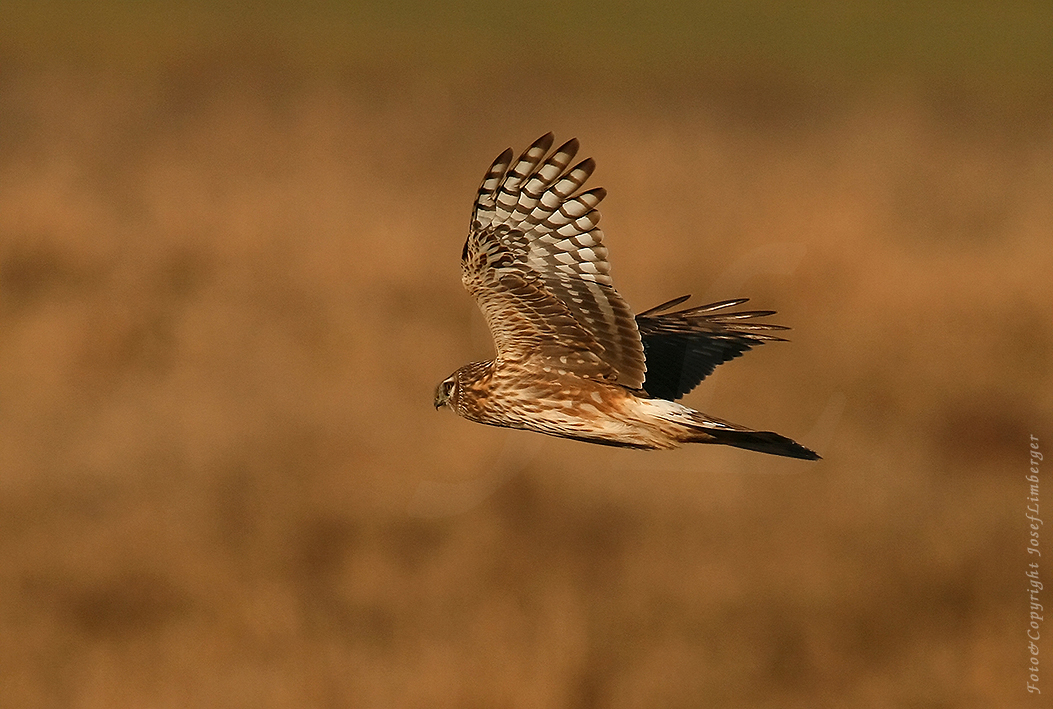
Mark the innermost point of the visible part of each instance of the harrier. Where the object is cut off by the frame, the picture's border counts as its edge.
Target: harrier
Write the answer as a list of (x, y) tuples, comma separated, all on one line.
[(572, 360)]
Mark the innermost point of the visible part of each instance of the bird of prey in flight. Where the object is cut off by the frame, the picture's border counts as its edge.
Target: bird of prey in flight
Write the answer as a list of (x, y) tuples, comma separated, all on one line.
[(571, 358)]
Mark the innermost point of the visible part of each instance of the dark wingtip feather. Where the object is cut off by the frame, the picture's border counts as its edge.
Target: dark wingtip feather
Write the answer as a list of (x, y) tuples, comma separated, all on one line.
[(588, 165), (710, 307), (544, 142), (664, 306), (571, 147)]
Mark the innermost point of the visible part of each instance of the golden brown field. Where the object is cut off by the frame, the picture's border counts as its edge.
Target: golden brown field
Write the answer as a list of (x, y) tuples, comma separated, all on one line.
[(229, 284)]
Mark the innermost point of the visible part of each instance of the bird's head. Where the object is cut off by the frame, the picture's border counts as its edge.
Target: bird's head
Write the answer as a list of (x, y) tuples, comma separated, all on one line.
[(446, 391)]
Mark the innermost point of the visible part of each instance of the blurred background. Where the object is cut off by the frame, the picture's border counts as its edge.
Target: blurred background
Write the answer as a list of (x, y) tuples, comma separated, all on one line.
[(229, 283)]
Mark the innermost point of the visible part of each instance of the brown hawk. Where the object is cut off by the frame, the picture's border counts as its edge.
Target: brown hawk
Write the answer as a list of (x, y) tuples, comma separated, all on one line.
[(572, 360)]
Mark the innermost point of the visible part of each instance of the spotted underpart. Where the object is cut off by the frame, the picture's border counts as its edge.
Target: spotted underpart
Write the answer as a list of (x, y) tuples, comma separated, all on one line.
[(572, 360)]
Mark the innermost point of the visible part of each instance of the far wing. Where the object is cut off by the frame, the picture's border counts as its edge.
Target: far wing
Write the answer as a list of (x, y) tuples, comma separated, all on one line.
[(684, 347)]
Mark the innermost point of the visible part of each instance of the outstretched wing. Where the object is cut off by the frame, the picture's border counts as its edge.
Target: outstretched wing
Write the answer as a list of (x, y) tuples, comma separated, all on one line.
[(535, 263), (685, 346)]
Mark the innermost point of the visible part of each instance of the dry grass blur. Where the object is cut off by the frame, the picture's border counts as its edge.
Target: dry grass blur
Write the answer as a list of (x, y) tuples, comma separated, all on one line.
[(229, 284)]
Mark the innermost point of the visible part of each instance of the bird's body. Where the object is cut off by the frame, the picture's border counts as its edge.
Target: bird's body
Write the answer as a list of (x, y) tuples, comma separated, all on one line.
[(560, 404), (572, 359)]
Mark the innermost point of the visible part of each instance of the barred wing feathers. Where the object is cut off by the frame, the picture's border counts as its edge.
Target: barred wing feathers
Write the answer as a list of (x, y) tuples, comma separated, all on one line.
[(535, 262)]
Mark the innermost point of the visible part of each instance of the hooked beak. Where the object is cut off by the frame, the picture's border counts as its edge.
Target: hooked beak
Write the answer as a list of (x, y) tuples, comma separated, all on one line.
[(442, 398)]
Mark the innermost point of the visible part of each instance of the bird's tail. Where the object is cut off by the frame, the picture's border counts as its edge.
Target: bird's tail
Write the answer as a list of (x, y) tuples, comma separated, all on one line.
[(708, 430)]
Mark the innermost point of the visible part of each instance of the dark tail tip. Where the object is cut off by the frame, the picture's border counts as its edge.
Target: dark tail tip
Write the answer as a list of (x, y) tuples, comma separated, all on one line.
[(763, 442)]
